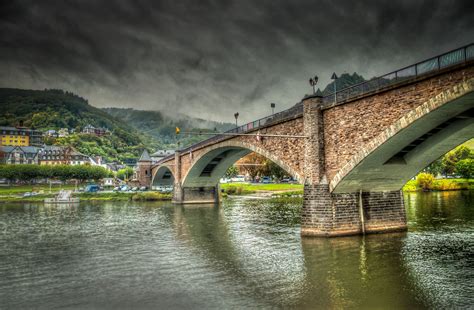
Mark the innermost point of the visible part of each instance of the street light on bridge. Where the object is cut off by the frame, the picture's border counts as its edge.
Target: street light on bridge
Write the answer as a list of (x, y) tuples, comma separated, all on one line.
[(313, 82), (236, 115), (334, 77), (273, 105)]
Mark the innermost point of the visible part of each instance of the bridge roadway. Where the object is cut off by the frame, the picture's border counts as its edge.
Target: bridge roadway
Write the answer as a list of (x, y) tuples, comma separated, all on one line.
[(358, 152)]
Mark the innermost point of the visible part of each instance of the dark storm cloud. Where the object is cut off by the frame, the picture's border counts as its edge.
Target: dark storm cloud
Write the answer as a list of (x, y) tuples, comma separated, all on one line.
[(212, 58)]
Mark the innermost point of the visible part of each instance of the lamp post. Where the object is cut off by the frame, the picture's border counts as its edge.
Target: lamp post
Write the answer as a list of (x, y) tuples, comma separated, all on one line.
[(313, 82), (334, 77), (273, 105), (236, 115)]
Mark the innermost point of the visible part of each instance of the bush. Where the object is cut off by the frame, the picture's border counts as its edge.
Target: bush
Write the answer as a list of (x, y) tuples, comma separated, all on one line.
[(151, 196), (425, 181)]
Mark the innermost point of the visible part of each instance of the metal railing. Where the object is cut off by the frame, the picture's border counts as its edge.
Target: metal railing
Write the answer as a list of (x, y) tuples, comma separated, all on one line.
[(429, 66), (265, 121)]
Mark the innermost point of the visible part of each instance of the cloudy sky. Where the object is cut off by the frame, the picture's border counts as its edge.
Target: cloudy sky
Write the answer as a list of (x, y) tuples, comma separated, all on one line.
[(213, 58)]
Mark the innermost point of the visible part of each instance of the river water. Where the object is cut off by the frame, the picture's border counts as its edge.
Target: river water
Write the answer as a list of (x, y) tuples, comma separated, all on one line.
[(245, 253)]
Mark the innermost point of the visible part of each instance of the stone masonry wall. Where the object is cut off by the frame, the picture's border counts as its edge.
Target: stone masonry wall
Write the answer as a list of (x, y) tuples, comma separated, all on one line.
[(284, 151), (348, 127), (200, 194), (326, 214)]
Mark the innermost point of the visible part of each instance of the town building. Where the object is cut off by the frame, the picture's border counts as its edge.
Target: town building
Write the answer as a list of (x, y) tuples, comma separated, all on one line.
[(98, 131), (20, 136), (45, 155), (142, 172), (17, 155), (51, 133), (63, 132)]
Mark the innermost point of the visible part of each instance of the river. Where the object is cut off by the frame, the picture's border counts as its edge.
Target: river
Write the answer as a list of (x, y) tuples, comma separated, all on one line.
[(245, 253)]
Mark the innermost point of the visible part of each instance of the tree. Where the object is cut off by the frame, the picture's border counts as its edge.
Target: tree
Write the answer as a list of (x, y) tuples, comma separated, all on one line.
[(125, 173), (272, 169), (465, 168), (252, 164), (451, 158), (231, 172), (436, 167)]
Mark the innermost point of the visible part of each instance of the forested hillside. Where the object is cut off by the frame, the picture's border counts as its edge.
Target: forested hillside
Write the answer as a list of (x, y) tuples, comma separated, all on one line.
[(55, 109)]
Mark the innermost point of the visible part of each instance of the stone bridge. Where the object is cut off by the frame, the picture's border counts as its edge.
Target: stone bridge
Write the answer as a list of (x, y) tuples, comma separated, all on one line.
[(352, 150)]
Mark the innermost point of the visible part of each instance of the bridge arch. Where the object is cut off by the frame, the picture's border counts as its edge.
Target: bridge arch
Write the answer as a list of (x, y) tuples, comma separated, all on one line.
[(411, 143), (163, 176), (207, 169)]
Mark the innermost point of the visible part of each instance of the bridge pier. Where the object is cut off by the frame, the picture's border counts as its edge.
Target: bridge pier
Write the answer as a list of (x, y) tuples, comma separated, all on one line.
[(195, 195), (328, 214)]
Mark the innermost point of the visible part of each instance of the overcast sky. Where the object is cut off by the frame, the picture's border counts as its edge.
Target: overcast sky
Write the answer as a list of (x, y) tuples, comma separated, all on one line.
[(212, 58)]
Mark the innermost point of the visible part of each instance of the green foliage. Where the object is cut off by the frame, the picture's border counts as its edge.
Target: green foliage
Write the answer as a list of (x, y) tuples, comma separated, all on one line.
[(446, 165), (55, 109), (441, 185), (125, 173), (450, 160), (151, 196), (272, 169), (465, 168), (424, 181), (231, 172), (26, 173)]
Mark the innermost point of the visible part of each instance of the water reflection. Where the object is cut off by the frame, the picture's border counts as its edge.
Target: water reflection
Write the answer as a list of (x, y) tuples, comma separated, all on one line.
[(242, 254)]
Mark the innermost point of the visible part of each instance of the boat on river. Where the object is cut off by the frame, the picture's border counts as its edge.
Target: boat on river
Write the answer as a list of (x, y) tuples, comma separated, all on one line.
[(62, 197)]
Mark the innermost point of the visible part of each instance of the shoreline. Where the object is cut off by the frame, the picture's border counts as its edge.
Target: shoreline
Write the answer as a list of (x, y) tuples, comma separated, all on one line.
[(12, 194)]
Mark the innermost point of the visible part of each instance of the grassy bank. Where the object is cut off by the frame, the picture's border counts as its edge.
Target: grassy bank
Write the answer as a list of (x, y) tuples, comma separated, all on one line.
[(441, 185), (20, 189), (249, 188), (145, 196), (291, 190)]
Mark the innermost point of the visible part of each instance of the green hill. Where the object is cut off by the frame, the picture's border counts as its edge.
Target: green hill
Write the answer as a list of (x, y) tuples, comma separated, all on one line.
[(55, 109)]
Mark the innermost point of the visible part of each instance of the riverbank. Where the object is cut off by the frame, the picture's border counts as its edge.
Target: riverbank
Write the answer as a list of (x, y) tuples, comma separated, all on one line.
[(101, 196), (439, 185), (15, 193), (290, 190)]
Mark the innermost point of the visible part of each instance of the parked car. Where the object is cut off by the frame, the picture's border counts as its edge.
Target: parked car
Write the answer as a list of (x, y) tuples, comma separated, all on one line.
[(116, 189), (166, 189), (92, 188), (266, 180), (143, 188), (134, 189), (238, 178)]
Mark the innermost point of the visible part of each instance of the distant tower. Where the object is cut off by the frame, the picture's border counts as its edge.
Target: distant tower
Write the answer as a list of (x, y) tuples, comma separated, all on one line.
[(144, 169)]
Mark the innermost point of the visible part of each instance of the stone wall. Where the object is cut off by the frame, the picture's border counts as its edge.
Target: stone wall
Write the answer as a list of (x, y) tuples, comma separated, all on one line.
[(286, 152), (326, 214), (200, 195), (351, 126)]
